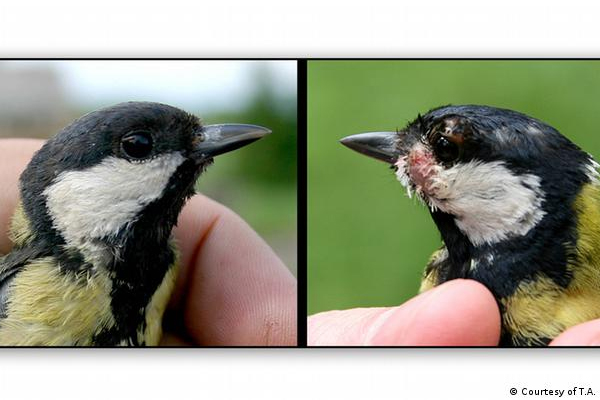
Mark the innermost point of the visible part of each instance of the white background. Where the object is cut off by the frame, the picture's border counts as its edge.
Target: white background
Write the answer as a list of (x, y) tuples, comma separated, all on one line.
[(316, 28), (294, 374), (266, 28)]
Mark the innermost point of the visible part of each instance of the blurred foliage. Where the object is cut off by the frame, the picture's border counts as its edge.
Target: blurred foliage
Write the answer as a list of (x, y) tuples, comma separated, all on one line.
[(275, 161), (368, 243)]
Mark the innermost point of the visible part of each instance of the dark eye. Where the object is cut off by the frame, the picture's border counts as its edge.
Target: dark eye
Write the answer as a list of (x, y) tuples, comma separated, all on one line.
[(137, 144), (445, 150)]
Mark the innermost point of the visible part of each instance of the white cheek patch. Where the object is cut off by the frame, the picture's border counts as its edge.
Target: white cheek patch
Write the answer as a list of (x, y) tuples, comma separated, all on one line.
[(488, 200), (99, 201)]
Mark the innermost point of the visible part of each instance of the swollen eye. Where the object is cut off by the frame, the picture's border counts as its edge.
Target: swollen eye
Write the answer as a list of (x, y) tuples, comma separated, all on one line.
[(445, 150), (137, 144)]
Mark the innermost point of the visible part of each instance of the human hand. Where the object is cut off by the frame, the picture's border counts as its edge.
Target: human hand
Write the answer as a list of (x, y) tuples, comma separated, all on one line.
[(586, 334), (456, 313), (232, 289)]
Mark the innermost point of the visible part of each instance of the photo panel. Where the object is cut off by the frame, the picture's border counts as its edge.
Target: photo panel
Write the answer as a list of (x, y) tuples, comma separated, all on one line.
[(472, 182), (113, 216)]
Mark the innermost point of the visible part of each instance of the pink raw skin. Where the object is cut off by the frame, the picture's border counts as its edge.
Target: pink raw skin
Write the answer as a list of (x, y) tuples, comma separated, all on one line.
[(421, 168)]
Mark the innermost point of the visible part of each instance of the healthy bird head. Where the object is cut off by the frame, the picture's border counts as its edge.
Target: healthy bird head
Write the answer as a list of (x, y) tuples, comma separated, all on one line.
[(121, 172), (496, 173)]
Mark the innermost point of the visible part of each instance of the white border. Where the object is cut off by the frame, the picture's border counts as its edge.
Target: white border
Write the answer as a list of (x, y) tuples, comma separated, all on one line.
[(293, 373), (308, 28)]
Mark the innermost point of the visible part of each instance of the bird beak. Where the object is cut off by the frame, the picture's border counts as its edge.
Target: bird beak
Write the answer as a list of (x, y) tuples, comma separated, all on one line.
[(379, 145), (213, 140)]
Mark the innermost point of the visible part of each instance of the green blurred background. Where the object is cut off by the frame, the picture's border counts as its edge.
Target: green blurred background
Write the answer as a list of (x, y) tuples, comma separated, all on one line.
[(38, 98), (367, 241)]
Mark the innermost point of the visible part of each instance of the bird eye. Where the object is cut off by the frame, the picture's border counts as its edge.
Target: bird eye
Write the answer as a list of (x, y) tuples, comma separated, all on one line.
[(137, 144), (445, 150)]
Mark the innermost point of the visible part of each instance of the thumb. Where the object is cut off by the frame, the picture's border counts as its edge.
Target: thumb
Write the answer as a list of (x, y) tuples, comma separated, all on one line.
[(457, 313), (586, 334)]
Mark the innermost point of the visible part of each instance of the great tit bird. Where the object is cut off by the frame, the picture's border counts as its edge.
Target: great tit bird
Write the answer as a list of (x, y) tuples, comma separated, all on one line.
[(93, 262), (518, 208)]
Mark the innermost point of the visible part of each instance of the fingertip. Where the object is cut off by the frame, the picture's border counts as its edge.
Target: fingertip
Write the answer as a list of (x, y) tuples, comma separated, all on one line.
[(456, 313), (233, 289), (341, 327), (14, 157), (195, 221), (473, 300), (586, 334)]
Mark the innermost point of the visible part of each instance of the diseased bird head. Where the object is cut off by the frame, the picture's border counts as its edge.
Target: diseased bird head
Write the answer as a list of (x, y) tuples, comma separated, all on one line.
[(496, 172), (121, 171)]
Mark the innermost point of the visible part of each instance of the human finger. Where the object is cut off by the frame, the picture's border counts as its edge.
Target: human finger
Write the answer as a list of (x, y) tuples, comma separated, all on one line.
[(457, 313)]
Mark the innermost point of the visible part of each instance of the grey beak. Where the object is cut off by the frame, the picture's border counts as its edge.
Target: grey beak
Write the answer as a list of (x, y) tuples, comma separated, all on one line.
[(379, 145), (218, 139)]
